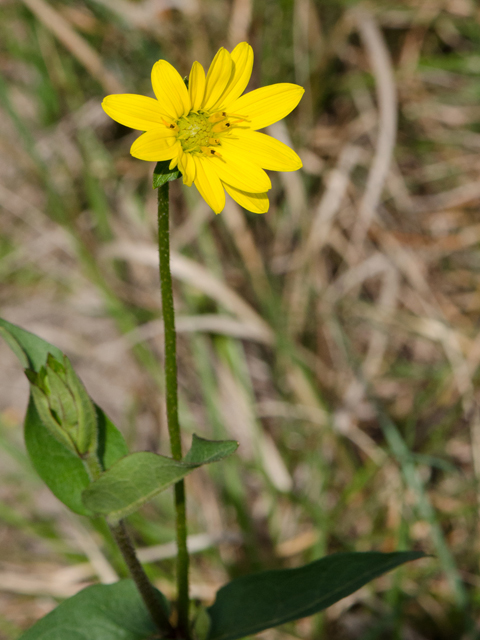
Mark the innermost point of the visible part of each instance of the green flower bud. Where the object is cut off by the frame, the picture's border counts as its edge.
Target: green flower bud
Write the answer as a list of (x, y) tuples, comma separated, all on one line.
[(64, 405)]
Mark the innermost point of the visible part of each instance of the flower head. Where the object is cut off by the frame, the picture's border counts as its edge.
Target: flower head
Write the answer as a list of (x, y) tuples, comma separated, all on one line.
[(210, 131)]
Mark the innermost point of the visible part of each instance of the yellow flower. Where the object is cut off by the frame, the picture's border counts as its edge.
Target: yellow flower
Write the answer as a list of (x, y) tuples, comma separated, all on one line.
[(209, 131)]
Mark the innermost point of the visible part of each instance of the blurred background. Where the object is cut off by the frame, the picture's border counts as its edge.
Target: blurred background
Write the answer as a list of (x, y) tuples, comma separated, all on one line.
[(336, 337)]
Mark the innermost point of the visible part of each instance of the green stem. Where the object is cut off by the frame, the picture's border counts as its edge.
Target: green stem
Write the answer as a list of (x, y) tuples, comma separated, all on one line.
[(172, 404), (149, 595)]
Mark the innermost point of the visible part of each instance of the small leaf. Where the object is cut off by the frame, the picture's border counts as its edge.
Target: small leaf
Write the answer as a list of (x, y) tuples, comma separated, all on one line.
[(131, 482), (139, 477), (61, 470), (100, 612), (260, 601), (163, 174), (205, 451)]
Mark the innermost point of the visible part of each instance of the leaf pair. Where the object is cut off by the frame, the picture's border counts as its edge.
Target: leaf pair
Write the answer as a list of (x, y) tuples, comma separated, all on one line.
[(130, 480), (115, 495), (243, 607)]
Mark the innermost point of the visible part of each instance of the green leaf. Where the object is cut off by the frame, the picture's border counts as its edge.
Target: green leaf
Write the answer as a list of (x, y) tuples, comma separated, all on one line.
[(111, 443), (260, 601), (163, 174), (61, 470), (14, 346), (35, 349), (206, 451), (100, 612), (137, 478)]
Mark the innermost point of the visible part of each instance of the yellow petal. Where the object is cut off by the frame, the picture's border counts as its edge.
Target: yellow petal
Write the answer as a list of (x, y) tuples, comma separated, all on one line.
[(242, 57), (267, 105), (218, 77), (155, 146), (263, 150), (137, 112), (255, 202), (196, 85), (236, 168), (170, 90), (186, 165), (208, 184)]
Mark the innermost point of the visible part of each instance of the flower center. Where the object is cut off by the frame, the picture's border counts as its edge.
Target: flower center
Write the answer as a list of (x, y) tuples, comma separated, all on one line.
[(195, 131), (199, 131)]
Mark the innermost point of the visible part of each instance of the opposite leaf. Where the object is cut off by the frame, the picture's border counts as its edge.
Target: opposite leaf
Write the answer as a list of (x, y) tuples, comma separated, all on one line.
[(99, 612), (260, 601), (139, 477)]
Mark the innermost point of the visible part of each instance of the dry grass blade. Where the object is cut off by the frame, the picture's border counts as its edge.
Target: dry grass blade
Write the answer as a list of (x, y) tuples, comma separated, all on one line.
[(240, 20), (77, 46), (196, 275), (382, 68)]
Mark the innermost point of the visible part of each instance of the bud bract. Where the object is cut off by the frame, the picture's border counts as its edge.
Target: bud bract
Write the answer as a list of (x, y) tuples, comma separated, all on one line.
[(64, 405)]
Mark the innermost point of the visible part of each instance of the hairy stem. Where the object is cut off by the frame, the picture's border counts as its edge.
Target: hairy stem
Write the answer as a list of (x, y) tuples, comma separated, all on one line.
[(149, 595), (172, 404)]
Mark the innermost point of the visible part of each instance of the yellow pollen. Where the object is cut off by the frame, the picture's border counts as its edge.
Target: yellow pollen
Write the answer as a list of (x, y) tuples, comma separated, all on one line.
[(211, 152), (217, 117), (170, 125), (221, 126)]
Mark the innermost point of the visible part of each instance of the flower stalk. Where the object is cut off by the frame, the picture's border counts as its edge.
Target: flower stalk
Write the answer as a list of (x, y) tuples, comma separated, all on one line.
[(172, 405)]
